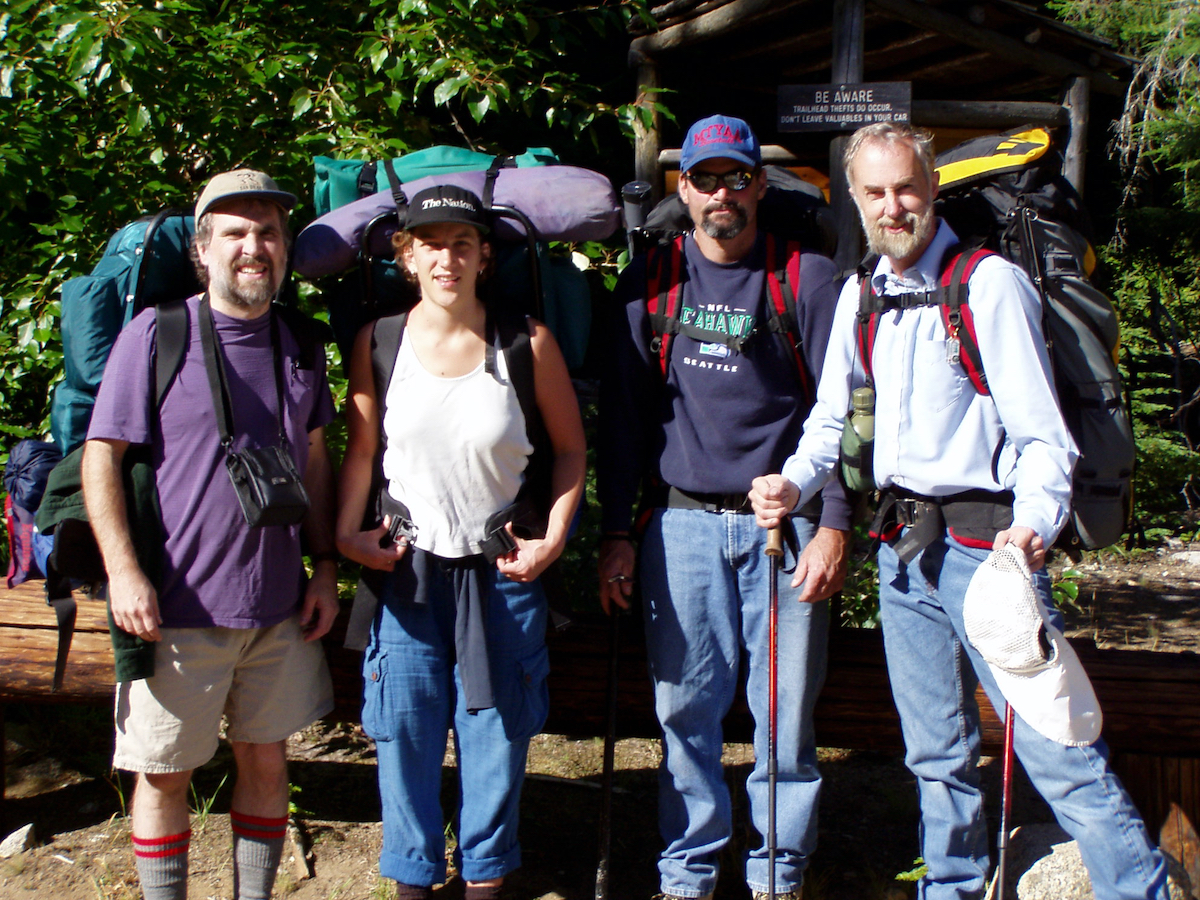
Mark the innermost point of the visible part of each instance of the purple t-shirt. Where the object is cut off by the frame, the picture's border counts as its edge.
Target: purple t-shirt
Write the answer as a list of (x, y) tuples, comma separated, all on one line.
[(217, 570)]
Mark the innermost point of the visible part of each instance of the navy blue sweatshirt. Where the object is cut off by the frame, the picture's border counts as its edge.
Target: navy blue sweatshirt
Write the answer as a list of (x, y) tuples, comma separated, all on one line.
[(721, 418)]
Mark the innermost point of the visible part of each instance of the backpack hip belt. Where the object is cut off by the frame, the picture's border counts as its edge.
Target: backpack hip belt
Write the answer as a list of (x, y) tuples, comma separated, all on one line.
[(973, 518)]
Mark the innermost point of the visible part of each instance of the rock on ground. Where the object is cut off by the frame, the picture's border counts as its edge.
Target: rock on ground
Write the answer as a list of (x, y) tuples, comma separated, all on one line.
[(1045, 864), (18, 842)]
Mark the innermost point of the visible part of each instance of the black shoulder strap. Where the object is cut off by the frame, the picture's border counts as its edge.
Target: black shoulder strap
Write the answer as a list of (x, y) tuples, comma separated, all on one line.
[(518, 354), (386, 335), (517, 347), (170, 342), (388, 332)]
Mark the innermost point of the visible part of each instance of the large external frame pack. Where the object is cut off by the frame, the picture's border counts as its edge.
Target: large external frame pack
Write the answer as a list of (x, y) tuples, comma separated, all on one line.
[(350, 248), (1006, 194)]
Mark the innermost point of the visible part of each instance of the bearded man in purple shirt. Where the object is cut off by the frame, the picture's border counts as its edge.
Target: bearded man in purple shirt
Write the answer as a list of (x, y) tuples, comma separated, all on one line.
[(233, 621)]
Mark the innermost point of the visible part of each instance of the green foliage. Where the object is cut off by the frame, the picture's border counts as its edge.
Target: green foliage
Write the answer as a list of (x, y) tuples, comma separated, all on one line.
[(1157, 291), (1065, 589), (114, 108), (916, 873), (1152, 262), (294, 807), (859, 606), (202, 805)]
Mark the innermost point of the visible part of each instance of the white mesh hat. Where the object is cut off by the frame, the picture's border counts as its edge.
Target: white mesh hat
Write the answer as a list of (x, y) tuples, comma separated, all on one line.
[(1033, 664)]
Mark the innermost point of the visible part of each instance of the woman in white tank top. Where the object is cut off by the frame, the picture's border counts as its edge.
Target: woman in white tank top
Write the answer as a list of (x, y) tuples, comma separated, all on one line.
[(455, 641)]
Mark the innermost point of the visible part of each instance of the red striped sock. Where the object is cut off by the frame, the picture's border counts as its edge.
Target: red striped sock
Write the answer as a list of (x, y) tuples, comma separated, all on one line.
[(162, 865), (257, 849)]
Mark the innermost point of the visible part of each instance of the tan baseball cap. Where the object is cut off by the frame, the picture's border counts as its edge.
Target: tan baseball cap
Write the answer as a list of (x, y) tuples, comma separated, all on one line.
[(246, 184)]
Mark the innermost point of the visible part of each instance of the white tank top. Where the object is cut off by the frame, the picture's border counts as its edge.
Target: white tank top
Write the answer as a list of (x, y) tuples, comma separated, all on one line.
[(456, 450)]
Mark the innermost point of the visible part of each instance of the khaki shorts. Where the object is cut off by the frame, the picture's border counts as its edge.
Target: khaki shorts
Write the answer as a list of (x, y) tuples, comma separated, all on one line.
[(267, 683)]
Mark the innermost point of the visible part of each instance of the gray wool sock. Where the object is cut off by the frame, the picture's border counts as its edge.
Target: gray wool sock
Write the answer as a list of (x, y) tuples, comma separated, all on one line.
[(162, 865), (257, 849)]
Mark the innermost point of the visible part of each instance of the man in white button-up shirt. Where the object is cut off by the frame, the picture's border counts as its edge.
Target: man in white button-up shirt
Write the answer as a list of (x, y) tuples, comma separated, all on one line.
[(962, 472)]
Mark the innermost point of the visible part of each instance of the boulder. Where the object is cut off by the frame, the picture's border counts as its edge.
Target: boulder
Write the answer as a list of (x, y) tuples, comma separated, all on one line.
[(18, 842)]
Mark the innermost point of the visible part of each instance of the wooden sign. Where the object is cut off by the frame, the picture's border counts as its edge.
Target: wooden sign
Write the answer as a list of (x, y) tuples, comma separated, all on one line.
[(842, 107)]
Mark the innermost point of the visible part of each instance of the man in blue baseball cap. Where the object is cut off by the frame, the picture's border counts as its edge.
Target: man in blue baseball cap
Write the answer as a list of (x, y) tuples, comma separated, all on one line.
[(711, 376)]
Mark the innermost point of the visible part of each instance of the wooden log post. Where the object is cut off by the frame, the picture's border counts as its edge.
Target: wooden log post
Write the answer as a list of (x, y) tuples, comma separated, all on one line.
[(647, 137), (1076, 102), (849, 17)]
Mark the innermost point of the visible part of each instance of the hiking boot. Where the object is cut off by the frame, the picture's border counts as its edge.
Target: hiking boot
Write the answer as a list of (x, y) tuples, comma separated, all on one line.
[(790, 895)]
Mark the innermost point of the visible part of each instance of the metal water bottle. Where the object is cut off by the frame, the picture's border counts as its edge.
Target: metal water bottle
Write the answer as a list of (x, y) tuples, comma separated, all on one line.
[(862, 413), (858, 442)]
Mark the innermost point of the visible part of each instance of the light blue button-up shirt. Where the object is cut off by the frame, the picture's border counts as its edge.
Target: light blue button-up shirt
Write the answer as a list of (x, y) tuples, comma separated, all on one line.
[(935, 434)]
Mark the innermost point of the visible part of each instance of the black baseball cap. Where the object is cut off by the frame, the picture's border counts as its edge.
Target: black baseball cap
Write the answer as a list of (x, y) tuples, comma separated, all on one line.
[(447, 203)]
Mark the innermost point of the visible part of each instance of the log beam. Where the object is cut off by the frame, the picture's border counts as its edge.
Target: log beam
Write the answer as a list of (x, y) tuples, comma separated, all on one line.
[(922, 15)]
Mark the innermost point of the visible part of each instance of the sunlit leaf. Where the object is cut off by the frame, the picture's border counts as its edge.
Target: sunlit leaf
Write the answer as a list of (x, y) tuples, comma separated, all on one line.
[(480, 107)]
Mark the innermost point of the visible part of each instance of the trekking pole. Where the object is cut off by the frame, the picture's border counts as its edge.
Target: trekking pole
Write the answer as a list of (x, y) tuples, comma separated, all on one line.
[(610, 742), (1005, 803), (774, 554)]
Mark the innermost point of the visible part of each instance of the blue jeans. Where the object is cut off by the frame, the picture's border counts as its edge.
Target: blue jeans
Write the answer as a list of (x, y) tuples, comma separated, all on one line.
[(412, 696), (934, 672), (704, 583)]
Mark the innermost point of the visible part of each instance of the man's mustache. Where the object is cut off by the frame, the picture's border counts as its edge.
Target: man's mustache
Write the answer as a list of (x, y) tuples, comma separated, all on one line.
[(729, 206)]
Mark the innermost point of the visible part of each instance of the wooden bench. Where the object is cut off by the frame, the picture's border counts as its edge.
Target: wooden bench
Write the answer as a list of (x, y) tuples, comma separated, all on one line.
[(1151, 700)]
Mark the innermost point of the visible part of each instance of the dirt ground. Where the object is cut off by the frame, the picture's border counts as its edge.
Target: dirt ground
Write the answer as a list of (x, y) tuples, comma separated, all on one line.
[(57, 778)]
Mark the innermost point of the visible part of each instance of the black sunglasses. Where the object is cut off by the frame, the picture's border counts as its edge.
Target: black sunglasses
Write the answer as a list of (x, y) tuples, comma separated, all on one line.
[(706, 182)]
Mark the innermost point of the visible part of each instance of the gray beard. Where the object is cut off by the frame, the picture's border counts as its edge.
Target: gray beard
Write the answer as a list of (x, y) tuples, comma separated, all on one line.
[(728, 231), (899, 246)]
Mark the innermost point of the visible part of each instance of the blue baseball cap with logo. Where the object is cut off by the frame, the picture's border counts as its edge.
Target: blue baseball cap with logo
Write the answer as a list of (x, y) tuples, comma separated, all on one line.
[(720, 137)]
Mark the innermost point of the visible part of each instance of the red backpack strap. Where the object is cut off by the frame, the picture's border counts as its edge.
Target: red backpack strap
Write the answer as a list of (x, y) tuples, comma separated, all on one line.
[(663, 268), (868, 322), (956, 313), (783, 282)]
